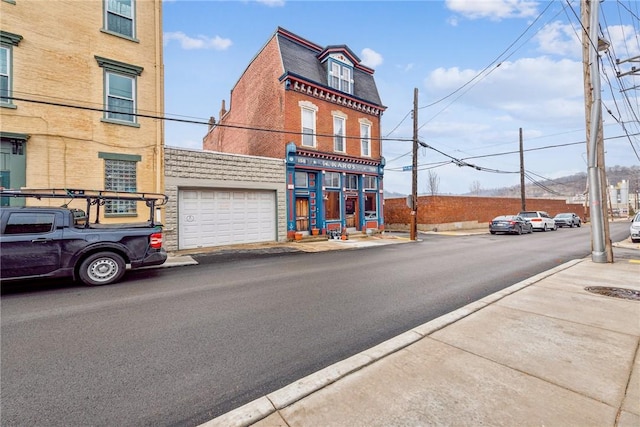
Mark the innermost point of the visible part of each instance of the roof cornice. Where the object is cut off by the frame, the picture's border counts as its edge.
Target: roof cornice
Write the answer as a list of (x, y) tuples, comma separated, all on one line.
[(315, 90)]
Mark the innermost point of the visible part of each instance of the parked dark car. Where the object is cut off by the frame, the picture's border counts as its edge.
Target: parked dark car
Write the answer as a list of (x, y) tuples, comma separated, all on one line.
[(40, 241), (567, 220), (512, 224)]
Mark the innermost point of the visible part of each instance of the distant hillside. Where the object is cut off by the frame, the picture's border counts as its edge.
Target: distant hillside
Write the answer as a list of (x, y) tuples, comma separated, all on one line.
[(567, 186)]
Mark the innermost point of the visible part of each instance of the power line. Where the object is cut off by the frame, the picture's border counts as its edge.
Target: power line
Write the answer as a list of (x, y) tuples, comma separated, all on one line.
[(156, 117)]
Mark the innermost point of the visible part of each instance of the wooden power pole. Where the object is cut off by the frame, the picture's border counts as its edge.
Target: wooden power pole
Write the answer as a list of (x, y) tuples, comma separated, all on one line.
[(523, 200)]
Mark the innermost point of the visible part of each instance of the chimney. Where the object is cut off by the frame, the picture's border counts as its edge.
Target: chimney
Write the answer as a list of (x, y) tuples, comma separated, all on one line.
[(223, 110)]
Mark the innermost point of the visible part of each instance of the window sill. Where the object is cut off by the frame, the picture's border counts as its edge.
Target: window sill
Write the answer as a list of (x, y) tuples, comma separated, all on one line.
[(120, 122), (122, 36), (121, 215), (8, 105)]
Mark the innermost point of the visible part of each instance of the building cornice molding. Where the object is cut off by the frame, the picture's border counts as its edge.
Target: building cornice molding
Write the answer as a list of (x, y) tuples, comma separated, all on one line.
[(336, 157), (315, 90)]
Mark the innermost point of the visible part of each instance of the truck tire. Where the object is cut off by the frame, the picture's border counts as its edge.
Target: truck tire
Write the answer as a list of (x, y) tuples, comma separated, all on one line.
[(102, 268)]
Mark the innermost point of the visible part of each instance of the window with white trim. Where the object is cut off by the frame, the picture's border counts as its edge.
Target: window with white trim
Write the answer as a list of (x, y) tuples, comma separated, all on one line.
[(370, 182), (365, 139), (352, 182), (340, 77), (119, 90), (331, 180), (119, 17), (370, 205), (339, 134), (7, 41), (120, 97), (308, 127), (5, 75), (301, 179)]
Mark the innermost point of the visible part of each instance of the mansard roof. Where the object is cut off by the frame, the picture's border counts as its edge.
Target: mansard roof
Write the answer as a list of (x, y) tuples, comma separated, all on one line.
[(304, 59)]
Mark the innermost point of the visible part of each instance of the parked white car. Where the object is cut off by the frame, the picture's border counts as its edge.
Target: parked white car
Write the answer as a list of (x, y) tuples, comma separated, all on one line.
[(634, 229), (539, 220)]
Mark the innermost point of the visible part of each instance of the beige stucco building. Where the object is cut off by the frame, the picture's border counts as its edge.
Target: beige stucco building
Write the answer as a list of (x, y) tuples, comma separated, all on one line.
[(81, 96)]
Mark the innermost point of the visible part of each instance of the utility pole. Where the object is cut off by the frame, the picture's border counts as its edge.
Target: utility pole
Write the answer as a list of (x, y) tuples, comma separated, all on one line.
[(601, 249), (413, 235), (523, 200)]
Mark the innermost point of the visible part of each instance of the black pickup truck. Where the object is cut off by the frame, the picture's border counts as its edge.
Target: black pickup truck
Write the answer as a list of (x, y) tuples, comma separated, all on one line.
[(41, 241)]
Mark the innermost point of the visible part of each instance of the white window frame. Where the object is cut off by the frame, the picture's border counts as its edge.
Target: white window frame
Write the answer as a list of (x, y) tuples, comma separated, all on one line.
[(7, 42), (351, 182), (370, 182), (112, 112), (6, 73), (345, 79), (308, 112), (331, 180), (334, 76), (119, 69), (365, 139), (111, 9), (340, 77), (301, 179), (339, 134)]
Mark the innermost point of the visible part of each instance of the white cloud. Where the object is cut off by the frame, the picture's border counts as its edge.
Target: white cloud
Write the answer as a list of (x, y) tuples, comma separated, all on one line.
[(371, 58), (492, 9), (624, 40), (559, 39), (528, 89), (200, 42)]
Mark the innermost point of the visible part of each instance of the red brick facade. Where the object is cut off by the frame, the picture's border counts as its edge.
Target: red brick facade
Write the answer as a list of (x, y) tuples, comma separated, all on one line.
[(261, 101), (435, 210), (257, 102), (328, 187)]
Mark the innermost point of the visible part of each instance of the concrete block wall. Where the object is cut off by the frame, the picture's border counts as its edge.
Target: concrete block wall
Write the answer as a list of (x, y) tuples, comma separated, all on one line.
[(197, 169), (449, 212)]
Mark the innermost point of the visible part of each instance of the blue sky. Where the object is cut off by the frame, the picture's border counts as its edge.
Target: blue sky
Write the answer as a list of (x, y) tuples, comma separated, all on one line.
[(483, 69)]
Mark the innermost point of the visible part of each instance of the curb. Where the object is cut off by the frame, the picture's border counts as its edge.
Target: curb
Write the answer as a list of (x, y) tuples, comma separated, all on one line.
[(264, 406)]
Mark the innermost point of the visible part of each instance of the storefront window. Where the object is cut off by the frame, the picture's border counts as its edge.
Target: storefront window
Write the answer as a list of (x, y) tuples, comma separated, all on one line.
[(370, 206), (331, 179), (370, 182), (332, 206), (352, 182), (301, 180)]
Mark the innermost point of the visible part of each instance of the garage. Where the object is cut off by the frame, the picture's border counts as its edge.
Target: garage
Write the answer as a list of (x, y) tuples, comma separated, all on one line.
[(225, 217)]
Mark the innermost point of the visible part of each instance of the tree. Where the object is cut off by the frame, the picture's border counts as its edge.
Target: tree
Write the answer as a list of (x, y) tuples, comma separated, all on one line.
[(433, 183)]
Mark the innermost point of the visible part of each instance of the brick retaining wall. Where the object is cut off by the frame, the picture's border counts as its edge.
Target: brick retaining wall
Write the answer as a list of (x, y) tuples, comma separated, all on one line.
[(461, 212)]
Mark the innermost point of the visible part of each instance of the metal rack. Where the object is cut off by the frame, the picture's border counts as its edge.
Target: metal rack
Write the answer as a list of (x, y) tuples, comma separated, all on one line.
[(95, 198)]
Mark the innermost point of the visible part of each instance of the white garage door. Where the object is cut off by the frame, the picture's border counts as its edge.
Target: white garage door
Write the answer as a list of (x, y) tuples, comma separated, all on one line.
[(225, 217)]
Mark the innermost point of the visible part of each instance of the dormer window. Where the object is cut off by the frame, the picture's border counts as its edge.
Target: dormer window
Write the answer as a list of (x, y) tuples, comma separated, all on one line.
[(340, 77)]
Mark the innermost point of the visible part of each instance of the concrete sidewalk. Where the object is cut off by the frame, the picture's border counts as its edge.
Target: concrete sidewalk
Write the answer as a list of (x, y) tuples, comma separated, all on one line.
[(545, 351)]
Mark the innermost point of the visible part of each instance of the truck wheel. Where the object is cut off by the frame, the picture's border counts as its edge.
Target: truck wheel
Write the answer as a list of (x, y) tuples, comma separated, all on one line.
[(102, 268)]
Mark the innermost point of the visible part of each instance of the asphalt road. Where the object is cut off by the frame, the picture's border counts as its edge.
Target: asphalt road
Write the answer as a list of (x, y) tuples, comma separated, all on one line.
[(180, 346)]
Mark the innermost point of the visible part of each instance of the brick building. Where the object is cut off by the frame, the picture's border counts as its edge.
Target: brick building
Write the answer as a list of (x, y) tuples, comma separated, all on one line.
[(318, 108), (74, 75)]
